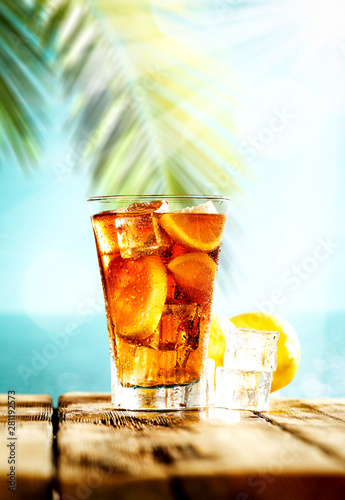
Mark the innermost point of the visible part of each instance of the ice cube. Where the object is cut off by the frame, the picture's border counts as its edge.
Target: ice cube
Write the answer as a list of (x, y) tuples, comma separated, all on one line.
[(154, 368), (208, 376), (138, 231), (205, 208), (251, 350), (179, 328), (105, 232), (151, 368), (242, 390), (245, 380), (144, 208)]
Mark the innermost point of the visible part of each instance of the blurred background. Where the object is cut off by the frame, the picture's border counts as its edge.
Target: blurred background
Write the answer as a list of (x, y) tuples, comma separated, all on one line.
[(237, 97)]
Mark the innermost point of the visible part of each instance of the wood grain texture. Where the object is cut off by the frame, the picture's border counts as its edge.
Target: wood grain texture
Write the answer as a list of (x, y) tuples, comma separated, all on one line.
[(34, 460), (220, 454), (320, 422)]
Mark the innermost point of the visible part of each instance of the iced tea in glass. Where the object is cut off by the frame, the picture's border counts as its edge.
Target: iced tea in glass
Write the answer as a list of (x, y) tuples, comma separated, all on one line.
[(158, 258)]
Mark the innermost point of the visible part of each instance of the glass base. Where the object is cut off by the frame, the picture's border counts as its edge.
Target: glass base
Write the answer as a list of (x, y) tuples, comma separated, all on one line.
[(158, 399), (198, 395)]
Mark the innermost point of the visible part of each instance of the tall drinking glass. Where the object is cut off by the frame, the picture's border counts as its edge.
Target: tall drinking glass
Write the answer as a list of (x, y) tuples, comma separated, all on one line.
[(158, 258)]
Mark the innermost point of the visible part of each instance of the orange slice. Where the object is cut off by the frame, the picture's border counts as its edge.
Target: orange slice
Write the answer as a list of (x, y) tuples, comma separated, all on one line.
[(193, 230), (138, 292), (194, 273)]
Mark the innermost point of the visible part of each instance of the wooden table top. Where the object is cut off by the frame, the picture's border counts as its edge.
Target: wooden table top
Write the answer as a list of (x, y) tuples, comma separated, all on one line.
[(87, 450)]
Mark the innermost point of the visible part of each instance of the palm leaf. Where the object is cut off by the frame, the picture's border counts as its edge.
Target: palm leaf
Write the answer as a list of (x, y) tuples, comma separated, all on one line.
[(23, 79), (165, 126)]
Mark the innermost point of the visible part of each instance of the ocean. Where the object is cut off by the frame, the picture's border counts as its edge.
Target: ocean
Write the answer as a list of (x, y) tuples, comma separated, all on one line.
[(54, 355)]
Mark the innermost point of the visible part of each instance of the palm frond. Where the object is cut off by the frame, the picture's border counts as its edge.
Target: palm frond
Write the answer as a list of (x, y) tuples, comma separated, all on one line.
[(150, 110), (154, 116), (24, 77)]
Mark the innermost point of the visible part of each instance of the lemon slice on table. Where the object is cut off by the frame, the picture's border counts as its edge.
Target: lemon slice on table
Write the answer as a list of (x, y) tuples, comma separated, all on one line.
[(194, 273), (138, 292), (203, 231), (289, 350)]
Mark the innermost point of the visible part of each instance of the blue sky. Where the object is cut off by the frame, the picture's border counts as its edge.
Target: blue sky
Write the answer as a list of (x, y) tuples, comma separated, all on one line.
[(285, 230)]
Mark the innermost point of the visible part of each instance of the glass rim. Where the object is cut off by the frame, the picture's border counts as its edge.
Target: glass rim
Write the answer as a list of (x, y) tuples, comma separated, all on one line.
[(159, 197)]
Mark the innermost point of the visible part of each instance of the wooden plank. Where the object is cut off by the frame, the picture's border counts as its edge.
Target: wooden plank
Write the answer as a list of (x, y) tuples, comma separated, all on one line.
[(334, 408), (30, 445), (28, 407), (220, 454), (310, 408), (317, 421)]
